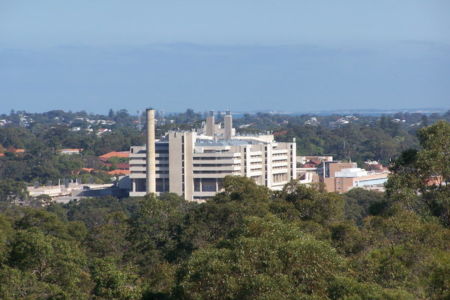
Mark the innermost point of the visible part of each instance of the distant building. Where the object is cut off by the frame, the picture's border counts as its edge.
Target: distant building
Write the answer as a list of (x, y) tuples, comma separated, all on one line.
[(340, 177), (194, 163), (315, 159), (374, 166), (307, 167), (70, 151), (342, 121), (312, 122), (102, 131)]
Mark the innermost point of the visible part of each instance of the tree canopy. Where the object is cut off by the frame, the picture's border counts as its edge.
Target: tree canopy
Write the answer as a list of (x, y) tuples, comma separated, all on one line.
[(247, 242)]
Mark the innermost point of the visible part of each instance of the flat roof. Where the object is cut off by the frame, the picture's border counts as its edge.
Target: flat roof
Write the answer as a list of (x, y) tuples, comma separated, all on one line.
[(203, 142)]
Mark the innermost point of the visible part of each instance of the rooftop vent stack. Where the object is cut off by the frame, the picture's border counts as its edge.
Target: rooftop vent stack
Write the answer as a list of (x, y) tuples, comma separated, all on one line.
[(210, 124), (228, 123), (151, 156)]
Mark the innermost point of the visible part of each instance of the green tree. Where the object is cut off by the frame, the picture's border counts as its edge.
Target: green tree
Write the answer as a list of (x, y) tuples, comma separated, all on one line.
[(153, 237), (11, 190), (434, 158), (16, 284), (50, 224), (113, 283), (313, 205), (223, 215), (398, 251), (421, 177), (348, 288), (51, 260), (108, 239), (269, 260), (439, 287), (359, 202), (152, 229), (347, 238), (6, 235), (237, 188)]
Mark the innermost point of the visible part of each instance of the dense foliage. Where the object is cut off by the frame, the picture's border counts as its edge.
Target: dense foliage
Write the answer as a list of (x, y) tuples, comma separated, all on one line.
[(245, 243)]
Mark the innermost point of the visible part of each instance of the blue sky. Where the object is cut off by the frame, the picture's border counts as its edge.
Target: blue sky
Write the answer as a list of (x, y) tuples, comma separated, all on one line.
[(239, 55)]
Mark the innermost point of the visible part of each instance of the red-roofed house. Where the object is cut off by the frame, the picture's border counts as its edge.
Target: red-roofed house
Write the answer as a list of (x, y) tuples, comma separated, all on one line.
[(120, 154), (15, 150)]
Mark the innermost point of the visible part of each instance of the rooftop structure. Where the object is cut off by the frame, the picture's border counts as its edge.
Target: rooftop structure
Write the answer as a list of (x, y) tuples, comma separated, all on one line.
[(194, 163), (340, 177), (307, 167)]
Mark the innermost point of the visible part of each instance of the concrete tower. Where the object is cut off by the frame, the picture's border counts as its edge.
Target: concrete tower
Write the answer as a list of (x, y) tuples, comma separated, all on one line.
[(228, 126), (210, 124), (151, 155)]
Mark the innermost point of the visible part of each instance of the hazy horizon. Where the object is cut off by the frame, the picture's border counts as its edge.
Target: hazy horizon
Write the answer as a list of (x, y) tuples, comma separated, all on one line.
[(293, 56)]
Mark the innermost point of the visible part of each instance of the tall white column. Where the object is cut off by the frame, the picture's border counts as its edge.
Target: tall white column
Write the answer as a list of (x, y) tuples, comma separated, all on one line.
[(210, 123), (228, 126), (151, 155)]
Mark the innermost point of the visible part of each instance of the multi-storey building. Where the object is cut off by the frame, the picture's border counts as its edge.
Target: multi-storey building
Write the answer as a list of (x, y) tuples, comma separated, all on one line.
[(340, 177), (194, 163)]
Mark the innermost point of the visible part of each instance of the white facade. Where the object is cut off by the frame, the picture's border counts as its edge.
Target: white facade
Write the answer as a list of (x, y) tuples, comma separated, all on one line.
[(194, 164), (351, 172)]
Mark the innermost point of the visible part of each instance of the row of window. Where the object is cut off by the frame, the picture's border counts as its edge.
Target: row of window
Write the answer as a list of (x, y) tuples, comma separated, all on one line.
[(144, 166), (216, 165), (213, 172), (212, 158), (208, 184), (280, 177)]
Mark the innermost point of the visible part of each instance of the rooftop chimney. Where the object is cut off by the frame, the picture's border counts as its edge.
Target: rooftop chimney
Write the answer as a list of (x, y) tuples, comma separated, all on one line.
[(228, 124), (151, 156), (210, 124)]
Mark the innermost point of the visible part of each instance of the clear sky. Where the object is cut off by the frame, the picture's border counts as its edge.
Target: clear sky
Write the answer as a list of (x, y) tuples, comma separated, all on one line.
[(288, 55)]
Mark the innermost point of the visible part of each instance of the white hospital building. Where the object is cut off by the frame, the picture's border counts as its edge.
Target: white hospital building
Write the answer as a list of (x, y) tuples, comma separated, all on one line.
[(193, 163)]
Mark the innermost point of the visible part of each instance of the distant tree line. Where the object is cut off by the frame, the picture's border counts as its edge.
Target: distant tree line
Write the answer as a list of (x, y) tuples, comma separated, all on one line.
[(380, 138), (245, 243)]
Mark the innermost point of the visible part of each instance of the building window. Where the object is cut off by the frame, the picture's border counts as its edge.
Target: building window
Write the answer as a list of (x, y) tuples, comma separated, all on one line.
[(140, 185), (209, 185), (197, 184), (162, 185)]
